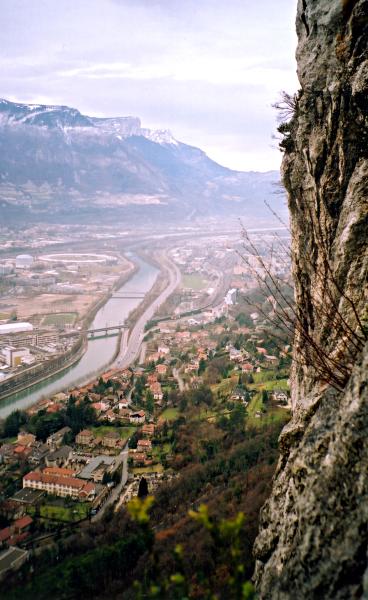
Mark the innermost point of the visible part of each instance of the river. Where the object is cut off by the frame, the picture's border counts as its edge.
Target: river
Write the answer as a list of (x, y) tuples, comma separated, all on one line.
[(100, 352)]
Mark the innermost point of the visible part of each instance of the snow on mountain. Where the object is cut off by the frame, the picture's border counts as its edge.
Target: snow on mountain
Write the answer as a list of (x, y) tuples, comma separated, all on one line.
[(159, 136), (57, 162), (65, 118)]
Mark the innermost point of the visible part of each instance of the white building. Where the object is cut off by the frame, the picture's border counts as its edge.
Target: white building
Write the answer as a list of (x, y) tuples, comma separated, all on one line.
[(14, 356), (230, 297), (163, 349), (18, 327), (23, 261), (59, 486)]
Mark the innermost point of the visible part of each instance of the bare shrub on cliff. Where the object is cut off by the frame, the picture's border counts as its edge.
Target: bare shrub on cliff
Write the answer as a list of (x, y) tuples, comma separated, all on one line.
[(333, 356)]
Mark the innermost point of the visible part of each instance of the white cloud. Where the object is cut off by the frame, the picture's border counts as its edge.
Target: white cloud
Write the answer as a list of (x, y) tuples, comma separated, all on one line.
[(207, 70)]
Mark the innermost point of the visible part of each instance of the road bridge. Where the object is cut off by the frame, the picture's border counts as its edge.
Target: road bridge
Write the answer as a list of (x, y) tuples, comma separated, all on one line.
[(128, 295), (97, 331)]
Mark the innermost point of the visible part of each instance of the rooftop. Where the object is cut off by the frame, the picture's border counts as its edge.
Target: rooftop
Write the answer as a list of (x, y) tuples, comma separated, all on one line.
[(27, 496), (9, 557), (23, 522), (94, 463), (72, 482), (59, 472)]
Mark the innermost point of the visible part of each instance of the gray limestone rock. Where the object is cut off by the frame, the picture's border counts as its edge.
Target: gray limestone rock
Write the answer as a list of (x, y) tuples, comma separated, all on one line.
[(313, 535)]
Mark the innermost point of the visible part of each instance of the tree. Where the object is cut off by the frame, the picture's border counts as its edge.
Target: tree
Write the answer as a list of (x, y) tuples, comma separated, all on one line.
[(14, 422), (202, 366), (133, 441), (244, 320), (116, 477), (150, 402), (264, 396), (44, 425), (143, 488), (237, 418), (203, 395), (78, 416)]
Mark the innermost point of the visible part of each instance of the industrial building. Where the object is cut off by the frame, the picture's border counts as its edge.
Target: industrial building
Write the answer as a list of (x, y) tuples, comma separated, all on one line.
[(14, 356)]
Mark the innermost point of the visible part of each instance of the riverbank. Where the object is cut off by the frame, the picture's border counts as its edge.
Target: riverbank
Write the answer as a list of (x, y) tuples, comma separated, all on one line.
[(66, 363), (32, 376), (101, 352), (87, 319), (128, 355)]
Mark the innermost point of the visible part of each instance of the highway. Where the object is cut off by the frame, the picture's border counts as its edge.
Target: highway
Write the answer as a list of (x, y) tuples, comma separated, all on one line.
[(130, 349)]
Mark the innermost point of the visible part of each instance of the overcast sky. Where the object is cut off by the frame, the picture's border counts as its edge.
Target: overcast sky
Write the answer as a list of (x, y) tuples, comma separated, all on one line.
[(208, 70)]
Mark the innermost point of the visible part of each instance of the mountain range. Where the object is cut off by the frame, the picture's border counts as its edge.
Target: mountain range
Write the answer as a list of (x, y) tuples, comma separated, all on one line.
[(57, 164)]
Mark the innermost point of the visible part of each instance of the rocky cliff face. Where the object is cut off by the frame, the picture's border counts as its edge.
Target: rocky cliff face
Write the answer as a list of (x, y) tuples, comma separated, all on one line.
[(313, 537)]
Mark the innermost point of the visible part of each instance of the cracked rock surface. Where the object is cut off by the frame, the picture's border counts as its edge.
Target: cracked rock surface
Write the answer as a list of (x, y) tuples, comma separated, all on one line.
[(313, 536)]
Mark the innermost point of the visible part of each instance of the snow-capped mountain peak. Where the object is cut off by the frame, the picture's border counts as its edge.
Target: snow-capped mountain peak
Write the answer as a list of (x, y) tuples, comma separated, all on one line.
[(159, 136)]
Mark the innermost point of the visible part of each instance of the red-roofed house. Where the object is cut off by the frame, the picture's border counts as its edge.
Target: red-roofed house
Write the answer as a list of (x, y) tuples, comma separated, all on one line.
[(157, 391), (138, 458), (59, 471), (59, 486), (23, 524), (247, 368), (161, 369), (148, 430), (144, 445), (54, 408), (22, 452), (138, 417), (25, 438), (100, 407), (110, 416), (5, 535)]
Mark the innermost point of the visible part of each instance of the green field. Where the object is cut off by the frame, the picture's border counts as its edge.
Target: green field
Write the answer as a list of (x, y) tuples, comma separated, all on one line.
[(124, 432), (59, 319), (278, 384), (152, 469), (75, 512), (169, 414), (207, 413), (270, 375), (272, 414), (161, 449), (194, 282), (226, 386)]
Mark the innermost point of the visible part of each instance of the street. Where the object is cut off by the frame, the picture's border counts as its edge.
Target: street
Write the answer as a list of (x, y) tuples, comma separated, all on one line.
[(116, 491)]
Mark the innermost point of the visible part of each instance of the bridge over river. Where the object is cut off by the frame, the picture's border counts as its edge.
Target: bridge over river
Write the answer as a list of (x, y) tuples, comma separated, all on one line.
[(102, 337), (103, 331), (128, 295)]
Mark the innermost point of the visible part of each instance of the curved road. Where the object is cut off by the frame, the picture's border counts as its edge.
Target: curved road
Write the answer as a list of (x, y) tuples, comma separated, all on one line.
[(129, 350)]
